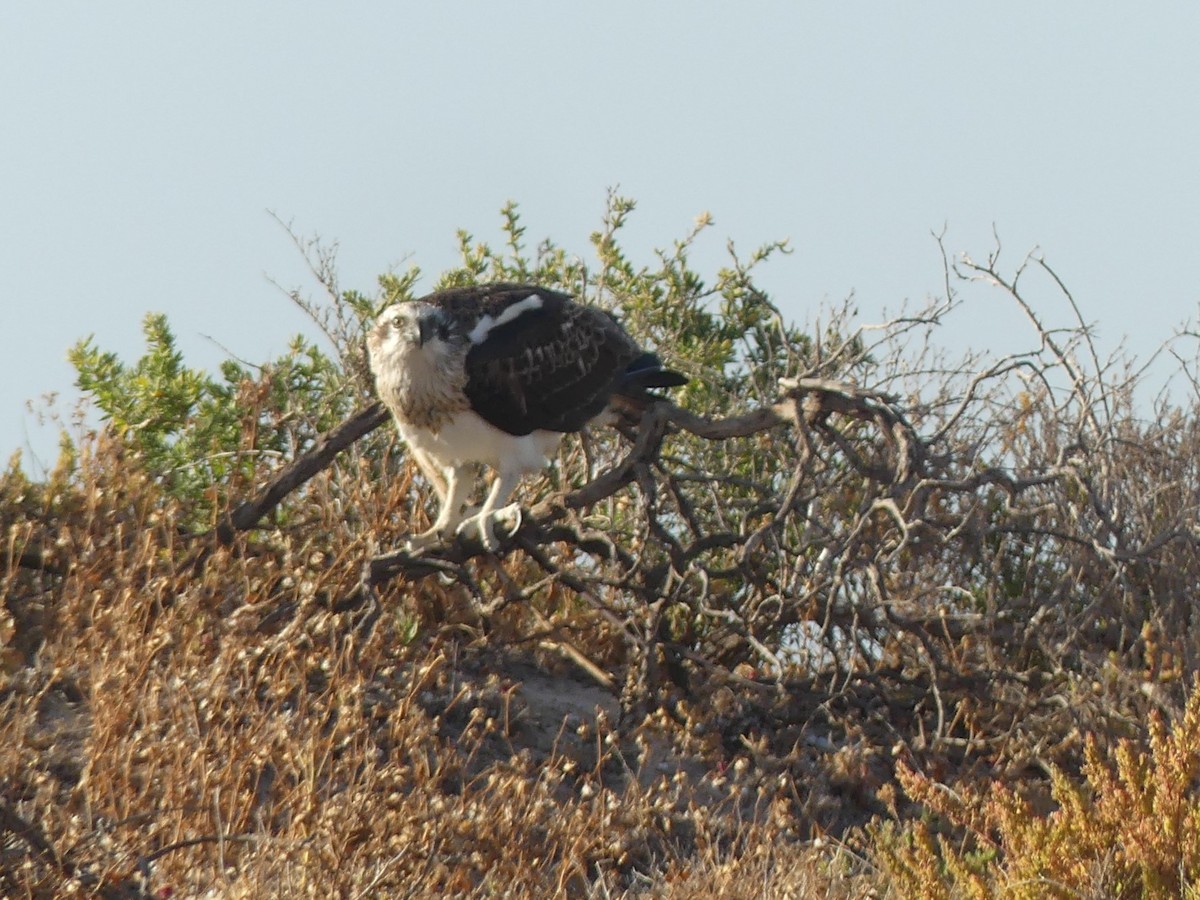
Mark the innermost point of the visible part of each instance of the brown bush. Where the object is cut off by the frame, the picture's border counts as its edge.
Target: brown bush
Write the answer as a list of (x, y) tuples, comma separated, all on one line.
[(692, 672)]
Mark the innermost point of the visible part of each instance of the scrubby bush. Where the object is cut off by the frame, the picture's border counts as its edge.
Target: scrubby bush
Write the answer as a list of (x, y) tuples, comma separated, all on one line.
[(1128, 827), (844, 580)]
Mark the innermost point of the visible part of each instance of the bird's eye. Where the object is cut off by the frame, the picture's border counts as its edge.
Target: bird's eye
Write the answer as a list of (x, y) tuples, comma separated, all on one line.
[(397, 322)]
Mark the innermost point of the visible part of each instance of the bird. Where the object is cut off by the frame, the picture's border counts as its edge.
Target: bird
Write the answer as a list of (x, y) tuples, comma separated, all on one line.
[(494, 375)]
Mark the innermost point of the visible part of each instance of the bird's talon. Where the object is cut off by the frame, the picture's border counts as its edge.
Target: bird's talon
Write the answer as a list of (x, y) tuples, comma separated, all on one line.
[(483, 525), (426, 540), (511, 516), (480, 527)]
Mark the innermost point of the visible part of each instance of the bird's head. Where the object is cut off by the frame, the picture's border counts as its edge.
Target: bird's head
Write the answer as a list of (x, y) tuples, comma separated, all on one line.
[(407, 330)]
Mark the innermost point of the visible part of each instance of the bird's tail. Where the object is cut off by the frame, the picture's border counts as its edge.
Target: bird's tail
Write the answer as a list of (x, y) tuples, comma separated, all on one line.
[(646, 372)]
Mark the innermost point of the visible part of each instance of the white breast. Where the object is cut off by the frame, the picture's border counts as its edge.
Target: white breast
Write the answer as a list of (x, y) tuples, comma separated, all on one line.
[(467, 438)]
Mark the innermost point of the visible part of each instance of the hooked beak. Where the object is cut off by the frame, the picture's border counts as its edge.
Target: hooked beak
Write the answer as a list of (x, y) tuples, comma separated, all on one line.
[(428, 327)]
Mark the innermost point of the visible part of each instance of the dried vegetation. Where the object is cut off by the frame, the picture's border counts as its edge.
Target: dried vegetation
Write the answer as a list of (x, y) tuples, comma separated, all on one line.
[(851, 619)]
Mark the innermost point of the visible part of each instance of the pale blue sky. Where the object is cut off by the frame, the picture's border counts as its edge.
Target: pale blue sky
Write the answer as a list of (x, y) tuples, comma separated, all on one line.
[(143, 143)]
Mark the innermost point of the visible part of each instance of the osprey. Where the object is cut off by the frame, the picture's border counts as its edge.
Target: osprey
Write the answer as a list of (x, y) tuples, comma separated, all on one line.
[(495, 374)]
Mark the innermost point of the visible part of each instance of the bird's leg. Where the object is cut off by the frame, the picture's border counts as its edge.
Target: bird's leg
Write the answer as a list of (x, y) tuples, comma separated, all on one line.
[(432, 472), (457, 485), (458, 489), (485, 519)]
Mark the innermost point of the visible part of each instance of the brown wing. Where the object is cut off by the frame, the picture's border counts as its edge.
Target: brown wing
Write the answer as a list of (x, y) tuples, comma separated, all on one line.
[(466, 305), (553, 367)]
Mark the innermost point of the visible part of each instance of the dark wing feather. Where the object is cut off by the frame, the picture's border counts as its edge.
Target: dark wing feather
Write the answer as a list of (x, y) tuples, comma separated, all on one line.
[(466, 305), (553, 368)]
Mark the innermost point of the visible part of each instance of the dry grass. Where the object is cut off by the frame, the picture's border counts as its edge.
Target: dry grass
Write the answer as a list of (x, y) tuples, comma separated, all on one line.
[(961, 622), (197, 720)]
